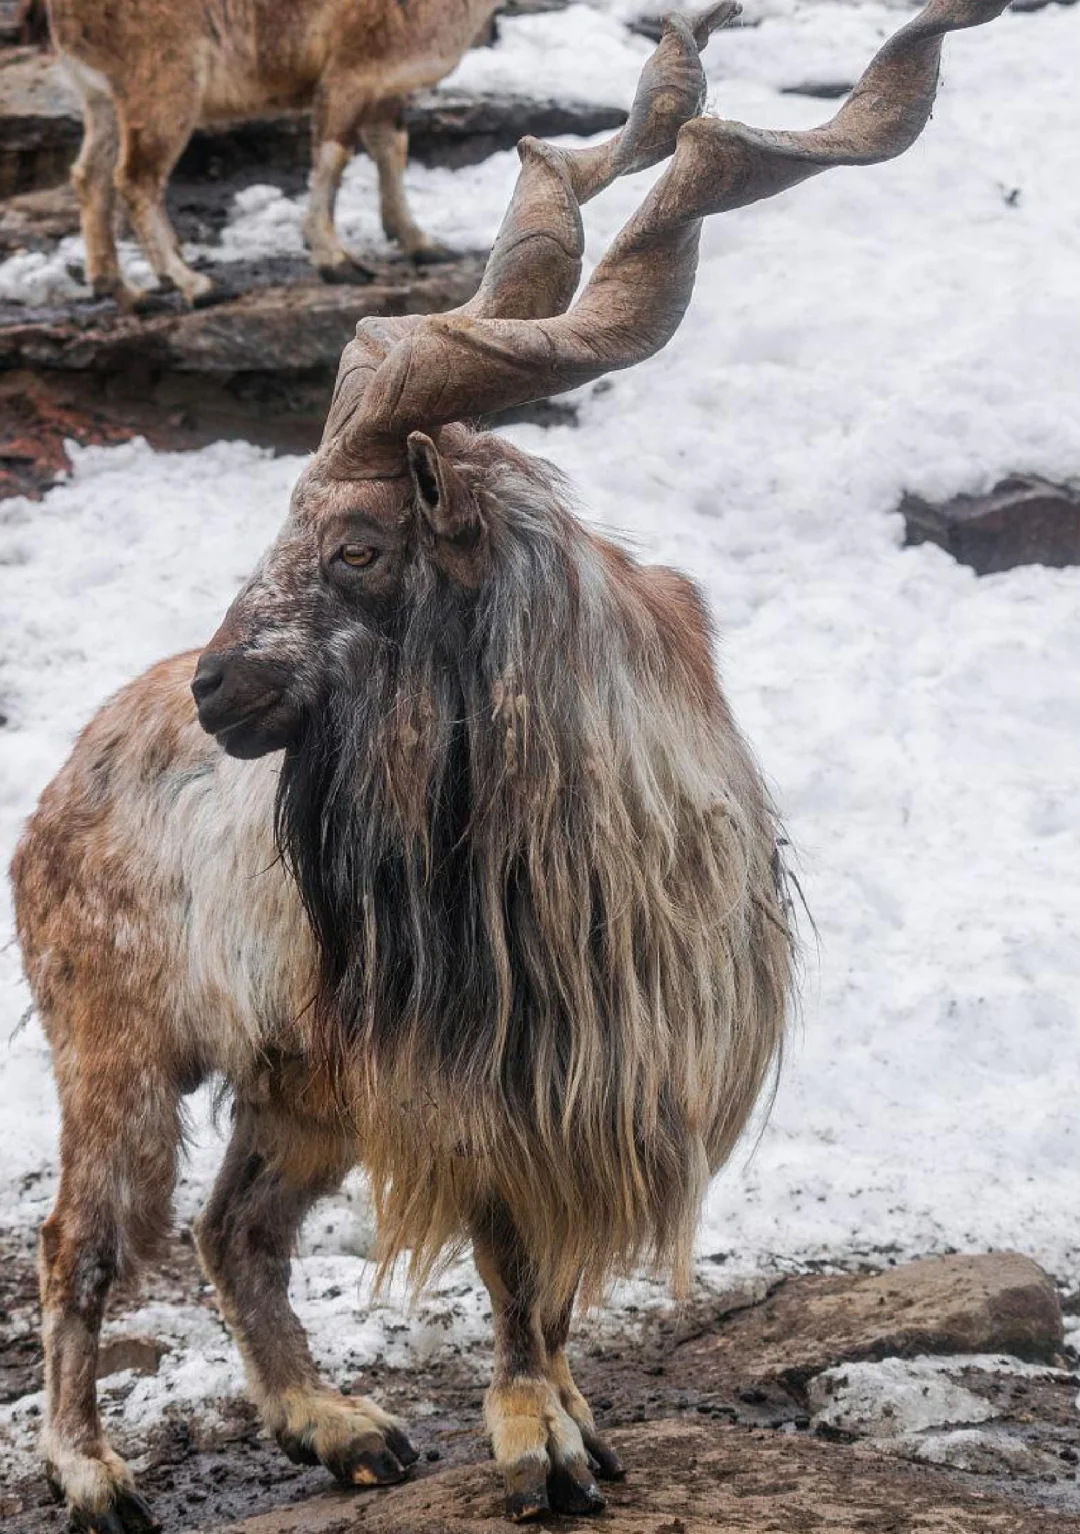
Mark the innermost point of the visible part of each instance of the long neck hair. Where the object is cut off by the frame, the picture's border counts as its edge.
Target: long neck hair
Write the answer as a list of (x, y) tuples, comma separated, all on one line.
[(541, 871)]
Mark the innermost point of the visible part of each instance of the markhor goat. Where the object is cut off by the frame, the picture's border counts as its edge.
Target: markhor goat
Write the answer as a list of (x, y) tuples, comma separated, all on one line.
[(525, 953), (150, 71)]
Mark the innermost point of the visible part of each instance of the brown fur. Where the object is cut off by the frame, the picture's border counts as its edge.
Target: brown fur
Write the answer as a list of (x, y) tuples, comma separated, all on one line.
[(150, 71)]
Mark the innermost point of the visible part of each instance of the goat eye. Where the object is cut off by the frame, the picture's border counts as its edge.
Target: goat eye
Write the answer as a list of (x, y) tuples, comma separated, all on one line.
[(358, 555)]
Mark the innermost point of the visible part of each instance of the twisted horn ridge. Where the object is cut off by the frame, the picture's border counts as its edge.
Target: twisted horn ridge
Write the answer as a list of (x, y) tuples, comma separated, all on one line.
[(535, 264), (534, 267), (518, 341)]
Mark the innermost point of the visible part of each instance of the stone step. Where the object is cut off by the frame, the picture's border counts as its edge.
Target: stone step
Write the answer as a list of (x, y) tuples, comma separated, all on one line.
[(259, 367), (1024, 520), (265, 328)]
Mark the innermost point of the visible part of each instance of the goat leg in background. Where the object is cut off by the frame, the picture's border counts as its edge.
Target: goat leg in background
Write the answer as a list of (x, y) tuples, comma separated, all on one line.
[(535, 263), (387, 142)]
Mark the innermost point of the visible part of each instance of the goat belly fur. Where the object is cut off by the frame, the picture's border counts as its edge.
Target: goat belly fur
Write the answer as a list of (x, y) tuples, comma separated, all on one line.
[(542, 872)]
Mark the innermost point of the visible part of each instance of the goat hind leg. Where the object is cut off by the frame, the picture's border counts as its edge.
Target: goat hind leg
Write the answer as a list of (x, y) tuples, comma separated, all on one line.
[(92, 180), (537, 1444), (245, 1239), (387, 142), (150, 145), (119, 1143), (334, 122)]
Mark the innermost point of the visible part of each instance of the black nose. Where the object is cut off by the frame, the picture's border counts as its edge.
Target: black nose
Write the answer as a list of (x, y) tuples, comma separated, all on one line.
[(209, 675)]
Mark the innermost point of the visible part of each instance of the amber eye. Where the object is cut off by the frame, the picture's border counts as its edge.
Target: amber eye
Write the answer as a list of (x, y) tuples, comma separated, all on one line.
[(358, 555)]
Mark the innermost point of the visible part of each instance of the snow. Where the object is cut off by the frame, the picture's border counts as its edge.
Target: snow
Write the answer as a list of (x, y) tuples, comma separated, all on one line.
[(911, 327), (896, 1397), (916, 1409), (902, 1397)]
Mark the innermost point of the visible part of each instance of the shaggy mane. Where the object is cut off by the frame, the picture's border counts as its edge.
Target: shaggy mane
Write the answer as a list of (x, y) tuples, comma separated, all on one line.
[(541, 869)]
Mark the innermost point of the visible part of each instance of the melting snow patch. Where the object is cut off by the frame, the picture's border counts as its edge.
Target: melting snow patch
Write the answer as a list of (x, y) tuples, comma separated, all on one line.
[(983, 1452), (892, 1398), (901, 1405)]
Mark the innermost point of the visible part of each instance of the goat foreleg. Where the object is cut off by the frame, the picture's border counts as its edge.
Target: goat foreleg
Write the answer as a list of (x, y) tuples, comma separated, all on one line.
[(245, 1238), (542, 1431)]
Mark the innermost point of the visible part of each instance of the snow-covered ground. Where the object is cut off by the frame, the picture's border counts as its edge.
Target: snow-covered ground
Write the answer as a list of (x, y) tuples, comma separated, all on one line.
[(914, 326)]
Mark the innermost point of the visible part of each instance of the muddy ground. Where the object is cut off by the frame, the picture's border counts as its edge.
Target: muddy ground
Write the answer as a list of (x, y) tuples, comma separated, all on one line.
[(709, 1402)]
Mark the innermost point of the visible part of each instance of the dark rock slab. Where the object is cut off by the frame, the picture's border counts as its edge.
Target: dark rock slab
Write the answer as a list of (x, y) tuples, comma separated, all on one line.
[(259, 368), (1037, 5), (996, 1302), (823, 90), (266, 329), (1023, 521), (450, 128)]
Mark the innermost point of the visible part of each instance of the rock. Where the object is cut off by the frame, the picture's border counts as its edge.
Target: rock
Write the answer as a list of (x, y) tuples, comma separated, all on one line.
[(450, 128), (1037, 5), (1023, 521), (269, 329), (985, 1415), (142, 1355), (690, 1478), (823, 90), (259, 368), (999, 1302), (35, 427), (982, 1451)]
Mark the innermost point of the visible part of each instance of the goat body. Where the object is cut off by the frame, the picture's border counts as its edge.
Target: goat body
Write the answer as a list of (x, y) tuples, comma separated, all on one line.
[(150, 71)]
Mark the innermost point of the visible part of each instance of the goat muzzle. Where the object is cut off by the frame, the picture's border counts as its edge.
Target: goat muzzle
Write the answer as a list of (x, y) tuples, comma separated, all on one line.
[(243, 701)]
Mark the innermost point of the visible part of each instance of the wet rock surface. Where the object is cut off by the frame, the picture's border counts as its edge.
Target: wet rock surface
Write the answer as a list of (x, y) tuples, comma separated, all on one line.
[(257, 364), (998, 1302), (693, 1478), (260, 324), (1024, 520)]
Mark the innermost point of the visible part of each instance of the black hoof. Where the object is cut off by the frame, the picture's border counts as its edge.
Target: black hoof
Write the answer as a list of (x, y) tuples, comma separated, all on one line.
[(367, 1462), (400, 1446), (347, 272), (220, 293), (524, 1506), (153, 301), (296, 1449), (570, 1495), (605, 1461), (128, 1514), (432, 255)]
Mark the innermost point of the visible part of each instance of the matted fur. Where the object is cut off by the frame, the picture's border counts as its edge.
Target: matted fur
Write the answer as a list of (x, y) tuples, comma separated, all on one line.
[(542, 869)]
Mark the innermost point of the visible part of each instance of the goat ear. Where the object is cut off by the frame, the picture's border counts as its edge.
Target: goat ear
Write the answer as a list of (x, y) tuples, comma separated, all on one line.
[(444, 500)]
